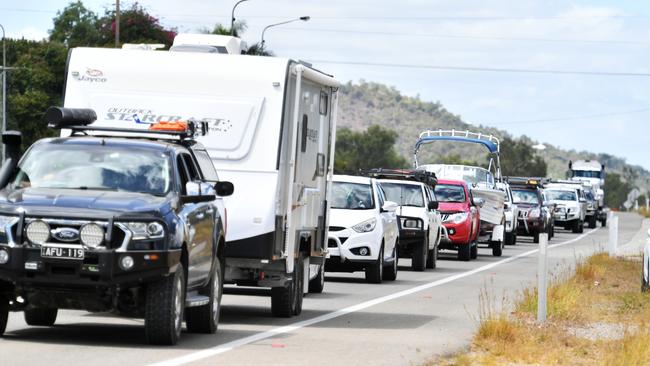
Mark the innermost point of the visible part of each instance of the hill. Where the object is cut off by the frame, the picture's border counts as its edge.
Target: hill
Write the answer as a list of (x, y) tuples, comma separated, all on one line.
[(366, 103)]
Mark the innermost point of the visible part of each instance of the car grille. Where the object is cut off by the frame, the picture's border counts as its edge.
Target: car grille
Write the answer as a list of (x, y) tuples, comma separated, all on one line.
[(331, 243)]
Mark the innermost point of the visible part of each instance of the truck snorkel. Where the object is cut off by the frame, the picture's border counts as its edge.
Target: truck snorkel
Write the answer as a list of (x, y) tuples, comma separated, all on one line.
[(11, 141)]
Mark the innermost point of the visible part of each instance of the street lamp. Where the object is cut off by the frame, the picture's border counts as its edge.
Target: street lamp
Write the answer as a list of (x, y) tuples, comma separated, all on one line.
[(304, 19), (4, 88), (232, 18)]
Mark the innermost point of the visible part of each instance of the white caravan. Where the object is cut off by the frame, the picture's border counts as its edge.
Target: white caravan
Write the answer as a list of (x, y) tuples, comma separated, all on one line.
[(271, 133)]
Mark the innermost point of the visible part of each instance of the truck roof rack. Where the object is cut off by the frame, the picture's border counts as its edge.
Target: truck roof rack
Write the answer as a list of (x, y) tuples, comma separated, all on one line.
[(532, 182), (80, 120), (416, 175)]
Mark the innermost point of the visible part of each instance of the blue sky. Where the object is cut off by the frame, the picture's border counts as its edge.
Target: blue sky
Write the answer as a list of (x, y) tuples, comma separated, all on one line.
[(583, 112)]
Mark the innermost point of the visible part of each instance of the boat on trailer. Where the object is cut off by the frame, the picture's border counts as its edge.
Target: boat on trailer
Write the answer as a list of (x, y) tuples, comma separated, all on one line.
[(481, 181)]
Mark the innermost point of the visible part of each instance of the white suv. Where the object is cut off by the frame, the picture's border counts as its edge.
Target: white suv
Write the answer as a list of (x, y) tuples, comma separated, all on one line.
[(571, 206), (363, 230), (419, 222)]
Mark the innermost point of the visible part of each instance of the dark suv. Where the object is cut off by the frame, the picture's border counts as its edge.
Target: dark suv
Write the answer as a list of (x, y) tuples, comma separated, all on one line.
[(533, 216), (96, 222)]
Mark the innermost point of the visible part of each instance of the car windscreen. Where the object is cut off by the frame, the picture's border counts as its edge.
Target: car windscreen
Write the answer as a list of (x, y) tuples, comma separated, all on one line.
[(404, 194), (586, 174), (95, 167), (352, 196), (525, 196), (561, 195), (450, 193)]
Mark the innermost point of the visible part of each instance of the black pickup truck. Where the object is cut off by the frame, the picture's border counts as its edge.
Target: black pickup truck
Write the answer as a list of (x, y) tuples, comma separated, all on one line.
[(98, 222)]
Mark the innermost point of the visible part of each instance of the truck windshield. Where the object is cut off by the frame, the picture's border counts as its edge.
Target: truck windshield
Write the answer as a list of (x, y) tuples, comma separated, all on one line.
[(352, 196), (525, 196), (404, 194), (561, 195), (450, 193), (95, 167), (586, 173)]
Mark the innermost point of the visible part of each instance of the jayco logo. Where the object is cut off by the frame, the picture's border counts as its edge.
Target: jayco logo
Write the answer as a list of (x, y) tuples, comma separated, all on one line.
[(91, 76)]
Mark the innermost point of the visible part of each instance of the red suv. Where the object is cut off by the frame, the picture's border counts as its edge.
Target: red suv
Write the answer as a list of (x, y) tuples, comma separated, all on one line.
[(460, 216)]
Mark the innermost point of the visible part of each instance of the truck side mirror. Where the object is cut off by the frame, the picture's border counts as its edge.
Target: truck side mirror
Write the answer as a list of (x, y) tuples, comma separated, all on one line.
[(224, 189), (196, 192), (433, 205)]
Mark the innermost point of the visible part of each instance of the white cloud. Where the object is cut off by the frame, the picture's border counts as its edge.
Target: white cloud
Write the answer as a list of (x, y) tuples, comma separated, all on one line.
[(31, 33)]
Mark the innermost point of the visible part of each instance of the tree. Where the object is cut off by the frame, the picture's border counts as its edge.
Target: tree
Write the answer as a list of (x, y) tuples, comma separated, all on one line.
[(256, 49), (75, 26), (373, 148), (136, 26), (518, 158), (616, 190)]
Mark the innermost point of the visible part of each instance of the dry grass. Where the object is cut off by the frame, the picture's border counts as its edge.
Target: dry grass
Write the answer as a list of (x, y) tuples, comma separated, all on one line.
[(603, 291), (643, 212)]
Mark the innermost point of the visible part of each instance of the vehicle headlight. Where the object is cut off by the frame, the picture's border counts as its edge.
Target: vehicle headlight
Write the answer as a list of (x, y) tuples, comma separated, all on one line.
[(366, 226), (534, 213), (91, 235), (7, 221), (144, 230), (411, 223), (457, 218), (38, 232)]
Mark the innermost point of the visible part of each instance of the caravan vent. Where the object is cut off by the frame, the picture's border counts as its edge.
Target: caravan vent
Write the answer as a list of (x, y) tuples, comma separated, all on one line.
[(208, 43)]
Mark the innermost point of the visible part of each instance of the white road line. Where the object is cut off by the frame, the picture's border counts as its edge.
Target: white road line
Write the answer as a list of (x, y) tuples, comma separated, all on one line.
[(223, 348)]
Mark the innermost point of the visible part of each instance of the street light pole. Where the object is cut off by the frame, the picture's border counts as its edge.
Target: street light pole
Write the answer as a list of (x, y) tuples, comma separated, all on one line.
[(4, 87), (117, 23), (304, 19), (232, 17)]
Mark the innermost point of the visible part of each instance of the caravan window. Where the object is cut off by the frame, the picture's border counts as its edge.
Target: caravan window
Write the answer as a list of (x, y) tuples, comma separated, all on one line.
[(324, 103)]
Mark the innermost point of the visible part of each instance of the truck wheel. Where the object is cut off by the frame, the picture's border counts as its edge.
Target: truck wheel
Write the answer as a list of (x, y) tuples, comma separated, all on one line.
[(464, 252), (163, 314), (419, 256), (473, 251), (390, 271), (603, 222), (4, 315), (592, 222), (576, 227), (497, 248), (536, 238), (205, 318), (286, 301), (581, 227), (511, 238), (317, 284), (42, 317), (374, 272)]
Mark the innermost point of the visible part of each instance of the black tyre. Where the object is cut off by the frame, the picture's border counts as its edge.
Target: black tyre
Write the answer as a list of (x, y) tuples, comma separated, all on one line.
[(390, 270), (592, 222), (536, 238), (464, 252), (164, 306), (419, 256), (473, 252), (432, 258), (4, 315), (511, 238), (603, 222), (576, 227), (287, 301), (205, 319), (42, 317), (375, 271), (317, 284), (581, 227), (497, 248)]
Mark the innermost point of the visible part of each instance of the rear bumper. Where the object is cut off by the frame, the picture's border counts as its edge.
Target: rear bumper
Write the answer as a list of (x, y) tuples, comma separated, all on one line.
[(26, 268)]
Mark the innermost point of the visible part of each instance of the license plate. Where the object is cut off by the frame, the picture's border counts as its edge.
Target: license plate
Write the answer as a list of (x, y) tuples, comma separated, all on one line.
[(62, 252)]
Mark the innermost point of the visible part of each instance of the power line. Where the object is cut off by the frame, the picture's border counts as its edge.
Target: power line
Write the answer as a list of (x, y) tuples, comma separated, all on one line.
[(588, 116), (483, 69)]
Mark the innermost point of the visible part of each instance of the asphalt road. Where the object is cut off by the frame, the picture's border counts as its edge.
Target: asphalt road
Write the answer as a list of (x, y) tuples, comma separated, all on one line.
[(351, 323)]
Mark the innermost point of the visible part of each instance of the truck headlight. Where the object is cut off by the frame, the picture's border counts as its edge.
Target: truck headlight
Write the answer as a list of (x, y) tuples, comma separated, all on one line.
[(144, 230), (457, 218), (534, 213), (366, 226), (38, 232), (91, 235)]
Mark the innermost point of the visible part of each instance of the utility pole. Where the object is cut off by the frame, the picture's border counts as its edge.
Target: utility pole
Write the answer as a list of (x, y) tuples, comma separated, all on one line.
[(117, 23)]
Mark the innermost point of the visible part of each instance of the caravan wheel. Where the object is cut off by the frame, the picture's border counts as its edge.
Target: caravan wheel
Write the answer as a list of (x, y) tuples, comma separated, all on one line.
[(286, 301)]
